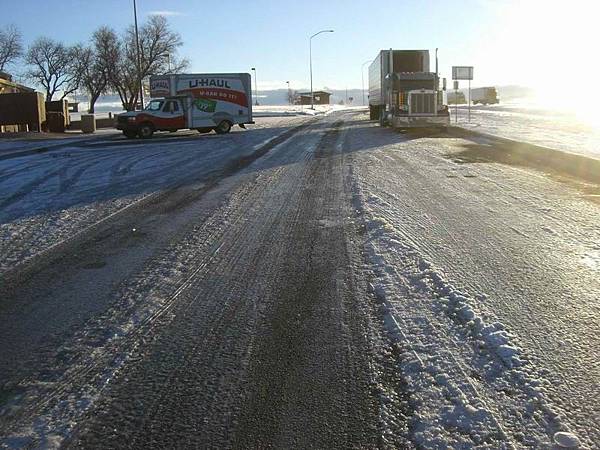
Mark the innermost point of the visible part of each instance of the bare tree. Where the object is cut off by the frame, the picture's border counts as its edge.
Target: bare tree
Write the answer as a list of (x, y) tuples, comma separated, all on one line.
[(158, 54), (124, 76), (54, 66), (292, 96), (97, 63), (11, 46)]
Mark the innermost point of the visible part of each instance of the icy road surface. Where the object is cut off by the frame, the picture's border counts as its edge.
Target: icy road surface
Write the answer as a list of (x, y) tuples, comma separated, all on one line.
[(46, 198), (341, 286)]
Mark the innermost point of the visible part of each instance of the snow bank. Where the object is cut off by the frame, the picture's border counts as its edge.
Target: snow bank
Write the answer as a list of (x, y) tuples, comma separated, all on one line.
[(470, 383), (549, 129)]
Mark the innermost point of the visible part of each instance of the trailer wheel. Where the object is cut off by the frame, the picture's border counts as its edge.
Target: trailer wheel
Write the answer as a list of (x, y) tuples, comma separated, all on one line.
[(130, 134), (224, 127), (146, 131)]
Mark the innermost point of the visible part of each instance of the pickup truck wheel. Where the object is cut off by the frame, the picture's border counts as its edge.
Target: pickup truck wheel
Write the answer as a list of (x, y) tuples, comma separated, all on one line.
[(146, 131), (224, 127), (130, 134)]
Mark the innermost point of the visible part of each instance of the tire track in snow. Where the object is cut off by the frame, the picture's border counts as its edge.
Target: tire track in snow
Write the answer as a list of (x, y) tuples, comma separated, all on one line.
[(98, 365), (409, 190), (137, 201)]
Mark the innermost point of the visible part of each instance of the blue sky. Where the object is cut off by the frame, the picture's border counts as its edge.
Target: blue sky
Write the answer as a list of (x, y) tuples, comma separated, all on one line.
[(508, 41)]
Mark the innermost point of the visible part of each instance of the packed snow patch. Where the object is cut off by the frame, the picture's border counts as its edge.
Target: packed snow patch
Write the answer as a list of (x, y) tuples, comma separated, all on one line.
[(568, 440), (470, 383)]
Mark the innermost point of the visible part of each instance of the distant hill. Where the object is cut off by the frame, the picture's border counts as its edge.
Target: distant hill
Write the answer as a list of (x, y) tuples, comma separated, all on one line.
[(508, 92), (511, 92), (279, 96)]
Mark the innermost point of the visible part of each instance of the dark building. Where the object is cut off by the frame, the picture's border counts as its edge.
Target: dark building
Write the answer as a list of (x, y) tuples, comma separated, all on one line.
[(21, 108), (321, 98)]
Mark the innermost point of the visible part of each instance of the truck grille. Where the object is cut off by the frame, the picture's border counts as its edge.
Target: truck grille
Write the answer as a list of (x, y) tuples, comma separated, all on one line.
[(422, 103)]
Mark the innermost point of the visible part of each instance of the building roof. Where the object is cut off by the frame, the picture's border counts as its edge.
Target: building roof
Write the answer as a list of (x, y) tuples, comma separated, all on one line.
[(303, 94), (7, 83)]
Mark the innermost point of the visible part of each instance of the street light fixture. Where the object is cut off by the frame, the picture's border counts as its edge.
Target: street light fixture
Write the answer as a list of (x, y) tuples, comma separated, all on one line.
[(312, 97), (362, 74), (255, 87)]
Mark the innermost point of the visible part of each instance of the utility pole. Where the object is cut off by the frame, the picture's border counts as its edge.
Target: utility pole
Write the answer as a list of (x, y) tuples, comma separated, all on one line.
[(435, 82), (255, 87), (139, 62), (469, 108), (289, 92), (312, 96)]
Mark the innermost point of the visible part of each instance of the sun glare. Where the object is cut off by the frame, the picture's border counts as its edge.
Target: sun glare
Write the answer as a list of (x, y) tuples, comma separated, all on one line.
[(550, 46)]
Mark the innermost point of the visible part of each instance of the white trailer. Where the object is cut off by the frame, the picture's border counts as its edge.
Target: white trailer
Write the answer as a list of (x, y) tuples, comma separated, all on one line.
[(484, 96)]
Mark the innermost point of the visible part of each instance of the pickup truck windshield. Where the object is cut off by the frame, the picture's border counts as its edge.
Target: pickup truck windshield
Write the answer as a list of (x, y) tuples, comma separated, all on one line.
[(154, 105)]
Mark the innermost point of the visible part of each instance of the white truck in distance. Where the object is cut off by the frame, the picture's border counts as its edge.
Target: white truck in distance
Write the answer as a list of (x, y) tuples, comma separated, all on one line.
[(484, 96), (403, 92), (202, 102)]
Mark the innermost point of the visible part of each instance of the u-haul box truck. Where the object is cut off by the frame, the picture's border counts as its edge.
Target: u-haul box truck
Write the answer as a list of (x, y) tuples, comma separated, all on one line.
[(200, 101)]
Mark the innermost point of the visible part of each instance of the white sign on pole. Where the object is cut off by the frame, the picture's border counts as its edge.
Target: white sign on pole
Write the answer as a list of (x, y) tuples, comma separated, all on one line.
[(462, 72)]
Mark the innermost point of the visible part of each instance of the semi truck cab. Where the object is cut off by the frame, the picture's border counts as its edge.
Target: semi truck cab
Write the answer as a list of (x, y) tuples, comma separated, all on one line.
[(416, 101), (404, 93)]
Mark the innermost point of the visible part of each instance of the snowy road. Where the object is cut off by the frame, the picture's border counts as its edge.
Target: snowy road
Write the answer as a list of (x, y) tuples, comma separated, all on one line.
[(342, 286), (46, 198), (526, 249)]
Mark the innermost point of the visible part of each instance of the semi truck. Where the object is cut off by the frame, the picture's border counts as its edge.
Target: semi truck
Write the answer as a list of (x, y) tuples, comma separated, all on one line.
[(484, 96), (404, 93), (202, 102)]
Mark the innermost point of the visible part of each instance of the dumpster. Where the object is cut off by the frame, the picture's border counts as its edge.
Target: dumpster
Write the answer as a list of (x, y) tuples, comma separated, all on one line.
[(55, 121)]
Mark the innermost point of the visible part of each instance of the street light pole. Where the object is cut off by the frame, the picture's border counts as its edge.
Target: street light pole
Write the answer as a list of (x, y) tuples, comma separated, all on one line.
[(312, 97), (137, 46), (289, 93), (362, 74), (255, 87)]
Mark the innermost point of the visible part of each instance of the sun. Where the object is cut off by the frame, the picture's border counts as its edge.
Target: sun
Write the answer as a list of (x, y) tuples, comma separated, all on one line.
[(550, 46)]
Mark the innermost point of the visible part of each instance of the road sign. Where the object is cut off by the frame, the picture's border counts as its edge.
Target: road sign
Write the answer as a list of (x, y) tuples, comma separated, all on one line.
[(462, 72)]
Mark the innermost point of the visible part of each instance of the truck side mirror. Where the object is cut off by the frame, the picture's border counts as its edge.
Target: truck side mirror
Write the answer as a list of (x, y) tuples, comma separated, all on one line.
[(444, 84)]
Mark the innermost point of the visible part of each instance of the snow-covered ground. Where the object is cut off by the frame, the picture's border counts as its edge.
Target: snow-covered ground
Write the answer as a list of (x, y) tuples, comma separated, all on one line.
[(485, 280), (485, 276), (46, 198), (30, 141), (526, 122)]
